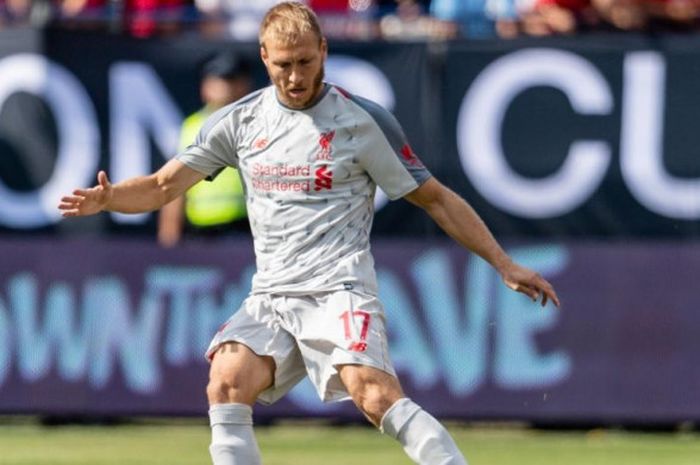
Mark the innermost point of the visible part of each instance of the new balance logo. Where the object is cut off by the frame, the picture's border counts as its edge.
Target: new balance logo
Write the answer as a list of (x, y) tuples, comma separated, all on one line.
[(260, 143), (358, 346), (324, 179)]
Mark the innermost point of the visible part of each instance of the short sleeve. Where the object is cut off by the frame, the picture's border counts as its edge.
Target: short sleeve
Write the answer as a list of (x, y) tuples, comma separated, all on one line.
[(386, 154), (214, 147)]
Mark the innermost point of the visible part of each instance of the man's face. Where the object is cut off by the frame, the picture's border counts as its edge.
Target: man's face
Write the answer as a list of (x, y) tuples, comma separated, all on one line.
[(296, 69)]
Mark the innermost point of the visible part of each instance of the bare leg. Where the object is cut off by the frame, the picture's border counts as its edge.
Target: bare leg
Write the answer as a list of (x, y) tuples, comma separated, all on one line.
[(237, 374), (373, 391), (236, 377), (380, 397)]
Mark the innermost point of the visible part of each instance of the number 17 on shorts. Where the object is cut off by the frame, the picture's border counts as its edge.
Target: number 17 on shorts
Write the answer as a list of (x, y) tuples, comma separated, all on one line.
[(355, 327)]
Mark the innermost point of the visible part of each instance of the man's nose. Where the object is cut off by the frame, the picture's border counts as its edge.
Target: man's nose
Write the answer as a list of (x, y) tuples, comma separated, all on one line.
[(295, 77)]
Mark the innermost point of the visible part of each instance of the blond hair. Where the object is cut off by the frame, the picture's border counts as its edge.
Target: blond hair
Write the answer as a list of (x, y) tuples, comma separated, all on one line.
[(288, 22)]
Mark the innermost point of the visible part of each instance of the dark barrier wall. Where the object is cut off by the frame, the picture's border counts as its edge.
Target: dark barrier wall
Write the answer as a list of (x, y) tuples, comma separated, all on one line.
[(579, 138), (120, 327)]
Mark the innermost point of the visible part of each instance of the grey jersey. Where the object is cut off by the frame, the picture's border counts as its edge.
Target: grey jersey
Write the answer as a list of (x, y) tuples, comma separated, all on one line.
[(310, 178)]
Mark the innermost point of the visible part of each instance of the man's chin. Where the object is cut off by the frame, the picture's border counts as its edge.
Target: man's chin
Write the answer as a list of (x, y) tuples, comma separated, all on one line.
[(298, 102)]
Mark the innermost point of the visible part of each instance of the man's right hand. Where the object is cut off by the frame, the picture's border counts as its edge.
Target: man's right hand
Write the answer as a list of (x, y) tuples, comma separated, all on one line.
[(85, 202)]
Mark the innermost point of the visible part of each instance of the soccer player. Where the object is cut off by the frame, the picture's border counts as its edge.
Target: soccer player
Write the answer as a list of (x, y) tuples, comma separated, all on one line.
[(311, 155)]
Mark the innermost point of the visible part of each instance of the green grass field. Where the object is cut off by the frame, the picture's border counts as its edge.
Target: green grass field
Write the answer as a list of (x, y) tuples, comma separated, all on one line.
[(309, 444)]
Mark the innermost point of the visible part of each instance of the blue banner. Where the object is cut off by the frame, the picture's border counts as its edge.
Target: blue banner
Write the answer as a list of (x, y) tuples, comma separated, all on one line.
[(120, 327)]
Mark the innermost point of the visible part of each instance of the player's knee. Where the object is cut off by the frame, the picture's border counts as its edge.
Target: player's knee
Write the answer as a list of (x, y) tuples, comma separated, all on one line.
[(372, 390), (238, 375), (374, 400), (227, 387)]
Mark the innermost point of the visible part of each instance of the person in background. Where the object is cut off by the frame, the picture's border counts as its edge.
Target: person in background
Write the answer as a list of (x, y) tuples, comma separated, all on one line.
[(238, 19), (469, 16), (409, 20), (558, 17), (216, 207)]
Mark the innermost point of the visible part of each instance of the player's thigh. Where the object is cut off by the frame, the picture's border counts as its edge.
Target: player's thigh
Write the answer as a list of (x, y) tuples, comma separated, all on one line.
[(372, 389), (237, 374)]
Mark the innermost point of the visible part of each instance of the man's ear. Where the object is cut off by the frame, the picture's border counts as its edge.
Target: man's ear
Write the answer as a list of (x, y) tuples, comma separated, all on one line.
[(324, 48), (263, 54)]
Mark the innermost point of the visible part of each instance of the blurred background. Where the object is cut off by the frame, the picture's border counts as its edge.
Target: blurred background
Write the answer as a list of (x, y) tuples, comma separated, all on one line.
[(570, 125)]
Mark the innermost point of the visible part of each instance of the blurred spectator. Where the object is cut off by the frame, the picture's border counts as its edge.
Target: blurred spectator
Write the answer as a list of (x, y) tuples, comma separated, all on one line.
[(469, 16), (139, 18), (16, 11), (73, 8), (85, 13), (623, 15), (335, 6), (367, 19), (144, 18), (547, 17), (673, 15), (28, 12), (506, 15), (347, 19), (409, 20), (216, 207), (239, 19)]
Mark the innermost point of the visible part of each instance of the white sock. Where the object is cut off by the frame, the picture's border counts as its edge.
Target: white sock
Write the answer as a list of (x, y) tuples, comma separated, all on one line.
[(232, 438), (423, 438)]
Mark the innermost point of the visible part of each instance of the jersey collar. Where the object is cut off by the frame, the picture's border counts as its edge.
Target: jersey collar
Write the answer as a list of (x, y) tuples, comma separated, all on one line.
[(319, 97)]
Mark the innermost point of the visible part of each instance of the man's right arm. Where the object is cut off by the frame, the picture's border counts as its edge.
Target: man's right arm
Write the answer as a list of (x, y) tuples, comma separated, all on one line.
[(136, 195)]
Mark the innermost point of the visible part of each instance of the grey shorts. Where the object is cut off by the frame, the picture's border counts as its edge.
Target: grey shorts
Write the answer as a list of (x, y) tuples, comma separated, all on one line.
[(310, 335)]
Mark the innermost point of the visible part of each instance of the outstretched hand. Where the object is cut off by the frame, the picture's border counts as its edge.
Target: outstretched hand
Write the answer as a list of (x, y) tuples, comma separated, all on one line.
[(89, 201), (530, 283)]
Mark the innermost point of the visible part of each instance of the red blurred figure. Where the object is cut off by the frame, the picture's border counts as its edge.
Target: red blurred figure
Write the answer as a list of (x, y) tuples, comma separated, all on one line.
[(623, 15), (329, 6), (674, 15), (146, 17), (549, 17)]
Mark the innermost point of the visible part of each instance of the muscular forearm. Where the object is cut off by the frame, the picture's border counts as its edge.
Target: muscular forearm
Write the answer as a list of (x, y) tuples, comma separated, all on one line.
[(170, 222), (138, 195), (147, 193), (459, 220)]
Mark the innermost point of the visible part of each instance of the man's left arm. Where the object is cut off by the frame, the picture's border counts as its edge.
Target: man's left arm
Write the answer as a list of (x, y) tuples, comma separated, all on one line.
[(459, 220)]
